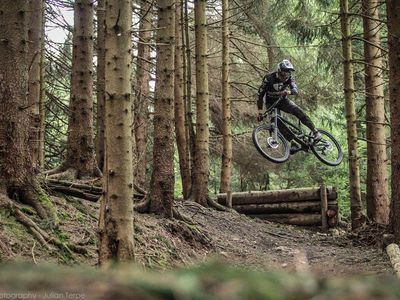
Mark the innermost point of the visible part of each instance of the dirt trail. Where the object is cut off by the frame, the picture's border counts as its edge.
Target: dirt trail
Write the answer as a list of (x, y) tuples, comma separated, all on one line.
[(265, 245)]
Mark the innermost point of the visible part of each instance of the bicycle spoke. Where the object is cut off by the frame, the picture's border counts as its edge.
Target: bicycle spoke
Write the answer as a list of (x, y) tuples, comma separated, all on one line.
[(327, 149)]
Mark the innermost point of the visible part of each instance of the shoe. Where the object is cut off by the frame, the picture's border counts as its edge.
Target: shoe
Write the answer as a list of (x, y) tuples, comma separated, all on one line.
[(294, 149), (317, 136)]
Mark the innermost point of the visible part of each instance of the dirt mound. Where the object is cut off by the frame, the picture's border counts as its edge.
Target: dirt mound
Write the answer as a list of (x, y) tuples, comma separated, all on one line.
[(231, 237)]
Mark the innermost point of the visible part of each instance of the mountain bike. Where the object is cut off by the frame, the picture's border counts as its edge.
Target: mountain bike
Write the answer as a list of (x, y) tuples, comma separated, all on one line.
[(278, 138)]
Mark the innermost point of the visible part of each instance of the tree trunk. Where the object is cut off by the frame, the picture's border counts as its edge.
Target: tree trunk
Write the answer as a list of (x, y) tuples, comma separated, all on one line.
[(393, 15), (377, 177), (226, 167), (16, 168), (42, 98), (116, 221), (189, 125), (14, 122), (80, 147), (201, 159), (34, 57), (357, 218), (101, 13), (162, 180), (180, 132), (143, 92)]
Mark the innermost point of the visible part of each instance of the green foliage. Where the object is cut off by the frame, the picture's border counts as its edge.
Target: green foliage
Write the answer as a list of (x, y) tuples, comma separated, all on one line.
[(214, 280)]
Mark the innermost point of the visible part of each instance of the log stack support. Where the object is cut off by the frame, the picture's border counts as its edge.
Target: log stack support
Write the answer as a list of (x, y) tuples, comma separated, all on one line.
[(317, 206)]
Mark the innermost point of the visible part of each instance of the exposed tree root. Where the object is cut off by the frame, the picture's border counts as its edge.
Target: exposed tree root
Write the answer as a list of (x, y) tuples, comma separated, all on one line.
[(80, 206), (30, 198), (33, 195), (42, 236), (143, 206), (179, 216), (140, 190), (191, 233), (214, 204)]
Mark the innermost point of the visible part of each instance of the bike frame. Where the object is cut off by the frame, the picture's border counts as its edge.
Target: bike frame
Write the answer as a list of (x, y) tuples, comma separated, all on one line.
[(273, 115)]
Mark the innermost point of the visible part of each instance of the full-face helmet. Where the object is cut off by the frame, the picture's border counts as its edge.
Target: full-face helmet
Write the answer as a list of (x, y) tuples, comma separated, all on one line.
[(285, 69)]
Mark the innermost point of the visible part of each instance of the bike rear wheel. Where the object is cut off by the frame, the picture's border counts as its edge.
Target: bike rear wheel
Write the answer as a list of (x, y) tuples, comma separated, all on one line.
[(328, 149), (276, 150)]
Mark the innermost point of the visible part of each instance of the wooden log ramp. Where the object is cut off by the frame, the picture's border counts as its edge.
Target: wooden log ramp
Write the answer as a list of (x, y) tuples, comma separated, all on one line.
[(316, 206)]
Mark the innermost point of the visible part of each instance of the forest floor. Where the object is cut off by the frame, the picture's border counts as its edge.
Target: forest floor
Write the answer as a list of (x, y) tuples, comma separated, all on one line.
[(226, 236)]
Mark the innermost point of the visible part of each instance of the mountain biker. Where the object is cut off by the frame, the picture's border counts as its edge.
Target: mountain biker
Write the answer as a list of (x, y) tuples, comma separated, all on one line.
[(274, 86)]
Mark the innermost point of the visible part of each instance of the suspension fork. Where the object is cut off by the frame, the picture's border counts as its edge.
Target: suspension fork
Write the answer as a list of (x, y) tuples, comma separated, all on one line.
[(275, 124)]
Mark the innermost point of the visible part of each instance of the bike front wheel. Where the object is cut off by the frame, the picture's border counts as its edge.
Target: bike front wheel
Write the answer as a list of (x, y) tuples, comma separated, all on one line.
[(274, 148), (327, 149)]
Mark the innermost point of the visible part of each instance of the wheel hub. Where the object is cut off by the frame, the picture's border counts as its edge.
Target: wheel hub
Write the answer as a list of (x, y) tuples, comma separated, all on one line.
[(272, 142)]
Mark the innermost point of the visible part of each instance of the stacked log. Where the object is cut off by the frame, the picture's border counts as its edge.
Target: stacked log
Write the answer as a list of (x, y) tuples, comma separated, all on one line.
[(316, 206)]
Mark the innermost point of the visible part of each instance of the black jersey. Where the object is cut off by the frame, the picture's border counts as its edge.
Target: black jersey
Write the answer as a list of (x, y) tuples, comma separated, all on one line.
[(272, 86)]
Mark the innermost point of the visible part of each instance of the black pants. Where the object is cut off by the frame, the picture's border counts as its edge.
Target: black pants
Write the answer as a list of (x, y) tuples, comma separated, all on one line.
[(290, 107)]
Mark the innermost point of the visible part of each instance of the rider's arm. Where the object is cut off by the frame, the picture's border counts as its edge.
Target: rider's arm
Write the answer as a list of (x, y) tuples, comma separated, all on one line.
[(261, 92), (293, 87)]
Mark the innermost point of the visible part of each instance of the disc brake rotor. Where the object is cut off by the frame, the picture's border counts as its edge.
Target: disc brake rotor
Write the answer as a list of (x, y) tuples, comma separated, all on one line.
[(272, 142)]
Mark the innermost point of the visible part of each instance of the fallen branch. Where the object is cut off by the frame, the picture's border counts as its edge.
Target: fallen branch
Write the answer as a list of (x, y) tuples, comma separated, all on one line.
[(84, 191), (74, 192), (88, 188)]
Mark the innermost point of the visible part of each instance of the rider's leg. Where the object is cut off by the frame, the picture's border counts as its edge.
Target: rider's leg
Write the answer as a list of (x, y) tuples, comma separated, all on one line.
[(290, 107)]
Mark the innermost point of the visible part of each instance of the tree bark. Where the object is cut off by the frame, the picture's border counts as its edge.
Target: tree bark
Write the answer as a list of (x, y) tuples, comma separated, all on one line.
[(189, 125), (393, 16), (101, 68), (180, 112), (163, 179), (357, 218), (80, 147), (116, 222), (42, 98), (34, 58), (201, 159), (377, 177), (226, 166), (16, 167), (143, 90)]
